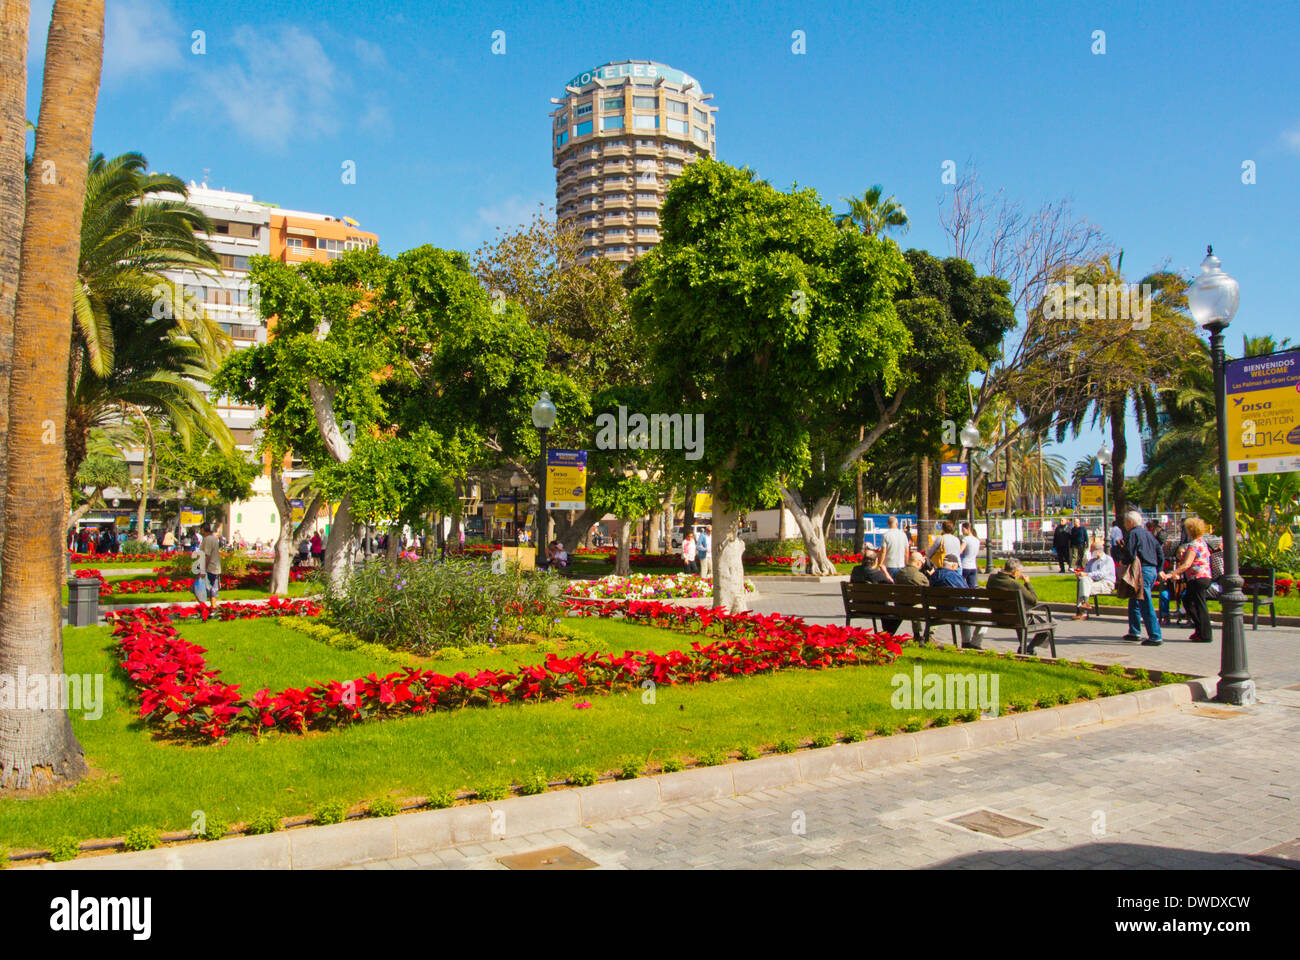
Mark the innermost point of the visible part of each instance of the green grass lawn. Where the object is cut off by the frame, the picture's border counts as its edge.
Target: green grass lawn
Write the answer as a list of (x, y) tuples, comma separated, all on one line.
[(139, 780), (1061, 589)]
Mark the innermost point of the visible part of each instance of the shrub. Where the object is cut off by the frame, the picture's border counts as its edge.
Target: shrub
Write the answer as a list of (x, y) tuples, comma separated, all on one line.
[(1116, 670), (941, 720), (1085, 693), (493, 791), (331, 811), (65, 849), (823, 740), (673, 765), (534, 784), (441, 799), (141, 838), (1021, 704), (215, 830), (968, 716), (424, 606), (787, 746), (585, 776), (748, 753), (629, 769), (885, 731), (137, 548), (912, 724), (854, 736), (383, 807), (264, 822), (1110, 689), (710, 758), (1140, 673)]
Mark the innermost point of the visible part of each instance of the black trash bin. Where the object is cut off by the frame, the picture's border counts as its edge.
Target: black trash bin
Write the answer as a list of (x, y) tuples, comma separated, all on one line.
[(83, 602)]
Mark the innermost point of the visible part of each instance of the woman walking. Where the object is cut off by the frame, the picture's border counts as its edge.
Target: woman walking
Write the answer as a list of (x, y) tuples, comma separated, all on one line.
[(1194, 567), (688, 552)]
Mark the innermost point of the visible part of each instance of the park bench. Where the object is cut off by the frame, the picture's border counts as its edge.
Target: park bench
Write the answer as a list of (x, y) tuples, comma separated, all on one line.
[(931, 606), (1260, 585)]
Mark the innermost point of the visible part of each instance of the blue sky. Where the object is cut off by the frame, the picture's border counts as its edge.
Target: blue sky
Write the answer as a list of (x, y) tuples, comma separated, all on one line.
[(451, 142)]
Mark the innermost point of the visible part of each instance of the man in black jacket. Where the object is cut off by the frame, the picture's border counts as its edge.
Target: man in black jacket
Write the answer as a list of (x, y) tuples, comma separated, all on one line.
[(1078, 544), (1013, 577), (1061, 543), (1139, 544)]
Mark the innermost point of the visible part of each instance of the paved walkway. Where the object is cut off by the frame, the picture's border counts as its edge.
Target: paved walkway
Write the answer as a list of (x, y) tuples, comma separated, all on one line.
[(1203, 787)]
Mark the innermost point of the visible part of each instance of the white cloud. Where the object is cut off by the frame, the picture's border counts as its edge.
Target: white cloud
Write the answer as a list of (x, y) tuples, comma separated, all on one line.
[(371, 54), (282, 88), (1291, 139), (141, 37)]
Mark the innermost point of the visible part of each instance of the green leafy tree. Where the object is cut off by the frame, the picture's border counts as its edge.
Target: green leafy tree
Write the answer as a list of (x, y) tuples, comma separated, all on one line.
[(756, 310)]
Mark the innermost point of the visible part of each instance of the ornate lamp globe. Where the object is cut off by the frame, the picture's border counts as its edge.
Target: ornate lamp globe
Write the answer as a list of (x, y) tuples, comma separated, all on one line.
[(1213, 297), (544, 412), (1103, 455), (970, 435)]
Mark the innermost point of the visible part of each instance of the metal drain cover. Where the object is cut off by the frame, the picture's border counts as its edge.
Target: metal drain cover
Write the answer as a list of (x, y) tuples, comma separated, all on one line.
[(552, 858), (1284, 855), (1215, 713), (994, 824)]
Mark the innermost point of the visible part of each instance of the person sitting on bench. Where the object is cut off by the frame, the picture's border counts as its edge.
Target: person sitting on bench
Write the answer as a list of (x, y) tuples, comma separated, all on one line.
[(1012, 576), (869, 570), (1096, 579)]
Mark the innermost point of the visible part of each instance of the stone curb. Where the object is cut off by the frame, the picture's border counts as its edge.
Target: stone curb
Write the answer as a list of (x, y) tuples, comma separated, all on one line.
[(357, 841)]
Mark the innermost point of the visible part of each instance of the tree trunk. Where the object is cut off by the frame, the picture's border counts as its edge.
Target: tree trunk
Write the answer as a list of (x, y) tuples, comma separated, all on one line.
[(1119, 456), (688, 515), (573, 528), (143, 506), (37, 745), (924, 521), (781, 531), (284, 539), (623, 557), (728, 558), (811, 529), (14, 15), (859, 528), (394, 545), (341, 553)]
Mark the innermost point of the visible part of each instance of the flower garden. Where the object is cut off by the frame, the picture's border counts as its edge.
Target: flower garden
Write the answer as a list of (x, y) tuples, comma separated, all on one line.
[(645, 587), (261, 714)]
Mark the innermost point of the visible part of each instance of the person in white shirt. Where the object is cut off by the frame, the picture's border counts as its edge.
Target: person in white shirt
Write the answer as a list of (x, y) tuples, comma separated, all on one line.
[(970, 553), (894, 549), (688, 552), (1097, 579), (946, 544)]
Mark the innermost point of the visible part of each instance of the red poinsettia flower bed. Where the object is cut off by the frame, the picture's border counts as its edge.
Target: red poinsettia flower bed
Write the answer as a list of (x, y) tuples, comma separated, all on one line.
[(165, 584), (115, 557), (1284, 587), (179, 694)]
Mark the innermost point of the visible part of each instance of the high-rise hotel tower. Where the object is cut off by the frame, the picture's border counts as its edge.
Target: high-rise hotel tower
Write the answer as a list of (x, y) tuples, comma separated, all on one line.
[(621, 134)]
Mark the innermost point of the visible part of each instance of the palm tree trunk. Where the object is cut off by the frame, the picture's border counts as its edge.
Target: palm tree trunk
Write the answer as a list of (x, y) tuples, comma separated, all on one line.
[(924, 521), (859, 530), (1119, 455), (14, 15), (37, 745), (143, 506)]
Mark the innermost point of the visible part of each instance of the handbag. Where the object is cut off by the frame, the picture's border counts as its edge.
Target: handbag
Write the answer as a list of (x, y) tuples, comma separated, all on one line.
[(1129, 586)]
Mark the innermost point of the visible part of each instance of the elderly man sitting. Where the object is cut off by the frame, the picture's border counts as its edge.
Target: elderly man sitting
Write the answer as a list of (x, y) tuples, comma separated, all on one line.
[(1096, 579)]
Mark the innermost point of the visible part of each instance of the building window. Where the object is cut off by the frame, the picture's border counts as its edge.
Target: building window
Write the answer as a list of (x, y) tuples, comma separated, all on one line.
[(701, 135), (611, 123), (701, 116), (645, 103), (562, 139), (562, 120), (582, 109), (678, 126), (294, 243), (647, 229), (231, 262), (678, 107), (644, 121), (613, 103), (582, 129)]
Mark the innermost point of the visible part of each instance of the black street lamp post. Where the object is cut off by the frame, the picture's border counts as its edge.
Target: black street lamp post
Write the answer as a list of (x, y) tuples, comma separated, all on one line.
[(987, 465), (1213, 300), (543, 419), (1103, 457)]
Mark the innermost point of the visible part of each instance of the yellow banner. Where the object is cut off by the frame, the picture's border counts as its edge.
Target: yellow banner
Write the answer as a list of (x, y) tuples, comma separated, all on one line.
[(703, 504), (1263, 414), (190, 517), (566, 479), (1091, 490), (504, 510), (952, 487), (997, 496)]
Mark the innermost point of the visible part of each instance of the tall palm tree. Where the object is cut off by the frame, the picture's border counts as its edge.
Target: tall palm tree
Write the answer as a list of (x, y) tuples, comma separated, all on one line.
[(37, 746), (1138, 364), (873, 213), (14, 15), (133, 228)]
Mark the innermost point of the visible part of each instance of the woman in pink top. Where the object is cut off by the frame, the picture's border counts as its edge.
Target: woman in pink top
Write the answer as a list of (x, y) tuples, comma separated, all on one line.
[(688, 552), (1194, 567)]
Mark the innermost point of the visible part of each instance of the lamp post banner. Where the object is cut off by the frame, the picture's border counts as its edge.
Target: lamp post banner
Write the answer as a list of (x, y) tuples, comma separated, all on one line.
[(1091, 491), (1263, 413), (997, 496), (952, 487), (566, 479), (504, 508)]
